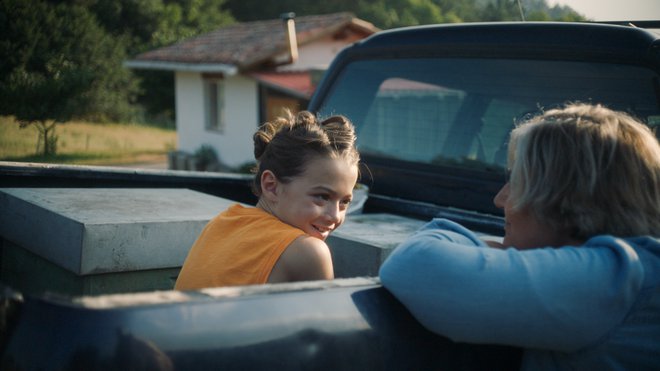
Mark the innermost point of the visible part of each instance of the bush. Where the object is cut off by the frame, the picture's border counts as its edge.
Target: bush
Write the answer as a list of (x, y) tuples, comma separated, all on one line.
[(207, 158)]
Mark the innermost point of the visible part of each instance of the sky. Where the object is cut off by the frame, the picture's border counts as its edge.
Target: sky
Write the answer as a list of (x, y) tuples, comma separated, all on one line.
[(614, 10)]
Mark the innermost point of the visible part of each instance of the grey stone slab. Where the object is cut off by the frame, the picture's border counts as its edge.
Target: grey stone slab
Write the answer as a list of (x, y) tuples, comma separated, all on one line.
[(364, 241), (102, 230), (30, 274)]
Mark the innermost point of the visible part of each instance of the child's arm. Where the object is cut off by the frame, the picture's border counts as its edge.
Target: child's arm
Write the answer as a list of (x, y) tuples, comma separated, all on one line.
[(305, 259)]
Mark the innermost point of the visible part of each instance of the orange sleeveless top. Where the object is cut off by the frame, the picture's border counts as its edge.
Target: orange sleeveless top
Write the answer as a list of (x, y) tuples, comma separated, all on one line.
[(240, 246)]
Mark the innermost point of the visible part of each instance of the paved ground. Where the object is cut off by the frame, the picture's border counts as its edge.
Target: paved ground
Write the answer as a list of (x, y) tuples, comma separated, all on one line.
[(146, 165)]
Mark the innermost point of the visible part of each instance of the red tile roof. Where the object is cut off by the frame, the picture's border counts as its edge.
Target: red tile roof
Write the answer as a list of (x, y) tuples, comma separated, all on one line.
[(295, 83), (245, 45)]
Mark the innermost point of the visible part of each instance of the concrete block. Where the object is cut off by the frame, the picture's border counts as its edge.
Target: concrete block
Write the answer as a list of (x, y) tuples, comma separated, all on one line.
[(102, 230), (95, 241), (29, 273), (364, 241)]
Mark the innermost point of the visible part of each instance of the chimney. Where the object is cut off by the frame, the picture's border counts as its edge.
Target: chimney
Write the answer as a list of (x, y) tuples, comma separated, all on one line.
[(290, 33)]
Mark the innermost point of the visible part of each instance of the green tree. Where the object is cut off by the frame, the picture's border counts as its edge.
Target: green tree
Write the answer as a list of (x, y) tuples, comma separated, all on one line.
[(458, 11), (57, 63), (500, 10), (532, 10), (397, 13), (149, 24), (400, 13), (382, 13)]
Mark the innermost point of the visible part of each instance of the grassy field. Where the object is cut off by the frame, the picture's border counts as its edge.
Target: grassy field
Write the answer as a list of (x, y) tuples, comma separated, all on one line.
[(87, 143)]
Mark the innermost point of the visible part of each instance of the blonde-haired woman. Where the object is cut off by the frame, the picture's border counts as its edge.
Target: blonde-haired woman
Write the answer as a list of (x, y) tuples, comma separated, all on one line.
[(576, 280)]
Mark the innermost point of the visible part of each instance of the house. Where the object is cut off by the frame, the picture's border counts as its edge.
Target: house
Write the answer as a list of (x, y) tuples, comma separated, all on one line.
[(229, 81)]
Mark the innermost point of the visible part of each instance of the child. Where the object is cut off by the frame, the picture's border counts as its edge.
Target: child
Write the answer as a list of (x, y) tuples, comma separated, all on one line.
[(306, 171)]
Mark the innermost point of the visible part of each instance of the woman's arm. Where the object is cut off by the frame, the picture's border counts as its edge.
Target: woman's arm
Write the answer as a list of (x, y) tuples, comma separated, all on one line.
[(560, 299)]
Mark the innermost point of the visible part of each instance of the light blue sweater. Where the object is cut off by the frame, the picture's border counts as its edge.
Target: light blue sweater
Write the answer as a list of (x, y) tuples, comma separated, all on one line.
[(594, 307)]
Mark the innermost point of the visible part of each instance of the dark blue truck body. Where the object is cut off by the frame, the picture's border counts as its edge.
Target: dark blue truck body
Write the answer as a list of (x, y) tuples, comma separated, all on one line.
[(345, 325)]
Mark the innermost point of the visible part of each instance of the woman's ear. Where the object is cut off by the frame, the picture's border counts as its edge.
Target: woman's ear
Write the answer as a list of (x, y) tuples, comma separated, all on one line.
[(269, 184)]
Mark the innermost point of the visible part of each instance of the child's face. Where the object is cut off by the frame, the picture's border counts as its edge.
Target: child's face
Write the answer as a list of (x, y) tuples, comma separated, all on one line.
[(316, 200)]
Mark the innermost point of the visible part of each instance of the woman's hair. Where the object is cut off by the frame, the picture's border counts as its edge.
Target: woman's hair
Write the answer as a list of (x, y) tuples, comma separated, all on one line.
[(285, 145), (587, 170)]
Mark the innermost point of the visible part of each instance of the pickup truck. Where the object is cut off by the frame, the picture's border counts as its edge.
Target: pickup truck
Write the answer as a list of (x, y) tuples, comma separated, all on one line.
[(433, 106)]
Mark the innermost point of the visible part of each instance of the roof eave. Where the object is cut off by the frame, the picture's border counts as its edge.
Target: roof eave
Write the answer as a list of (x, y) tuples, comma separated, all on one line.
[(364, 26), (226, 69)]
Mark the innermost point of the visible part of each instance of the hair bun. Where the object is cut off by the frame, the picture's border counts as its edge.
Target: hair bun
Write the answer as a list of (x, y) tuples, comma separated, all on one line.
[(265, 134), (305, 118)]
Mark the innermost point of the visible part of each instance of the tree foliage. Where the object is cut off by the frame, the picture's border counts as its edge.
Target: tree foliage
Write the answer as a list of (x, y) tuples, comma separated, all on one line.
[(150, 24), (58, 64), (399, 13), (382, 13)]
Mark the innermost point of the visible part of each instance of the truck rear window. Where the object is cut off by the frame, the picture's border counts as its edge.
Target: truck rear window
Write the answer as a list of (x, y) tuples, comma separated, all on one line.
[(458, 112)]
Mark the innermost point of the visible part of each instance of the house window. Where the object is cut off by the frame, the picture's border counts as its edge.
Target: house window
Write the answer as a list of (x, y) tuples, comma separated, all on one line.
[(214, 103)]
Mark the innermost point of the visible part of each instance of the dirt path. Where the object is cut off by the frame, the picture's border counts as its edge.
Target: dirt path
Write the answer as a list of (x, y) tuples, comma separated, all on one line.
[(146, 162)]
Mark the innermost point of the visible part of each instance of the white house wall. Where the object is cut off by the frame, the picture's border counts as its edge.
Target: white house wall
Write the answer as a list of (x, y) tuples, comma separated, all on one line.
[(234, 146), (319, 53), (189, 110)]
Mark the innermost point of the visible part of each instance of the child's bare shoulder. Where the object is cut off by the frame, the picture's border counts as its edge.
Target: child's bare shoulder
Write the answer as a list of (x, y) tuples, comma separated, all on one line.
[(308, 258)]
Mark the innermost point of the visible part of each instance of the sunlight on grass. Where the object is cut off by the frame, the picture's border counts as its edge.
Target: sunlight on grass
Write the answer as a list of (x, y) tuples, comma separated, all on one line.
[(86, 143)]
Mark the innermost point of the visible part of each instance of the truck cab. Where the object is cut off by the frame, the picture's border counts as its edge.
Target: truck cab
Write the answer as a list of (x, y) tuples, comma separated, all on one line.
[(434, 105)]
